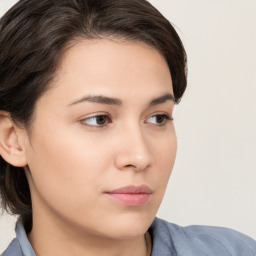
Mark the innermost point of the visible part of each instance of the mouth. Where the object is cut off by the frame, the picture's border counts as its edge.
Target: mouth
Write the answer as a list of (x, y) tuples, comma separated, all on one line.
[(131, 195)]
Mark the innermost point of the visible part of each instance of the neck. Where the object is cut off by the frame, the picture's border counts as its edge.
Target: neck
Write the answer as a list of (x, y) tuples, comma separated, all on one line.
[(57, 237)]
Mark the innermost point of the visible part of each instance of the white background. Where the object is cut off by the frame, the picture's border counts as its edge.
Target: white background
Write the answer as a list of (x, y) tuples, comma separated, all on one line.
[(214, 179)]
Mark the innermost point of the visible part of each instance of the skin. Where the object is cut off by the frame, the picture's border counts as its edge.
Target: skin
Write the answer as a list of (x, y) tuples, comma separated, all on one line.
[(72, 161)]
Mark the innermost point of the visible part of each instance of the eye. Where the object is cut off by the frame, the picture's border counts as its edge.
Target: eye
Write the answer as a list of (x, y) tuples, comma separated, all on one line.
[(96, 121), (159, 119)]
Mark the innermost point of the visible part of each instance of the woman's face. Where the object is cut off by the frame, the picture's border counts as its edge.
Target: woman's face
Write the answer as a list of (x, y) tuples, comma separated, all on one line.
[(102, 145)]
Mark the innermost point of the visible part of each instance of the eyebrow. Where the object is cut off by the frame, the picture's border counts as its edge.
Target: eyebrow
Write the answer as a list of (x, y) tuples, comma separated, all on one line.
[(99, 99), (114, 101), (162, 99)]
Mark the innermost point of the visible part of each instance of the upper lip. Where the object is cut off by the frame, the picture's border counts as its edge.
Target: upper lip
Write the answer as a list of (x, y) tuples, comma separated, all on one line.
[(132, 189)]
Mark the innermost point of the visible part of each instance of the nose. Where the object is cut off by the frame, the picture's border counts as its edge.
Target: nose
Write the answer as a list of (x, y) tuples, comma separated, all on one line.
[(133, 151)]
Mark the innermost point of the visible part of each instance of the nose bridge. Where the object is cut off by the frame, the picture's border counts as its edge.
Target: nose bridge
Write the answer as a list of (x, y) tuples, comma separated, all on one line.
[(134, 149)]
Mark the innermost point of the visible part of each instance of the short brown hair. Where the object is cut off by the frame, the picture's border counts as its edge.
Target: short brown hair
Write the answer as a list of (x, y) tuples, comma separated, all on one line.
[(33, 36)]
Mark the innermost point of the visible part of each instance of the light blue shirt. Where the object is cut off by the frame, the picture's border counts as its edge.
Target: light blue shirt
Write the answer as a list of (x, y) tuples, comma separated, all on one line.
[(170, 240)]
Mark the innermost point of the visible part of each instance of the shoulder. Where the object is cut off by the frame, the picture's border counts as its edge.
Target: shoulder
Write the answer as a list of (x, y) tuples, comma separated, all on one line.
[(199, 240), (13, 249)]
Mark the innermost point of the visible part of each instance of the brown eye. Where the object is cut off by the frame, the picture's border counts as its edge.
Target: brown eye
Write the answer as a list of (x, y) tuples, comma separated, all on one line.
[(96, 121), (159, 119), (101, 120)]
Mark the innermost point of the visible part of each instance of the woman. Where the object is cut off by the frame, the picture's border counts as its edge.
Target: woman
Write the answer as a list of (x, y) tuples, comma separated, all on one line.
[(87, 141)]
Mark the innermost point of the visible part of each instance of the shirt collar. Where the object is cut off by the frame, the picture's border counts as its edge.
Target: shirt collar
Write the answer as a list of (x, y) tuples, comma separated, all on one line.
[(25, 245)]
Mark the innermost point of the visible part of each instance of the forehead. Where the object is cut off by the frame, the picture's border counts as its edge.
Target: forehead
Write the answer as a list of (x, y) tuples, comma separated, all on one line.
[(108, 67)]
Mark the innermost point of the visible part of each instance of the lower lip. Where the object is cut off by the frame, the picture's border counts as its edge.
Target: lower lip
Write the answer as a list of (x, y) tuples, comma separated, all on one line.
[(130, 199)]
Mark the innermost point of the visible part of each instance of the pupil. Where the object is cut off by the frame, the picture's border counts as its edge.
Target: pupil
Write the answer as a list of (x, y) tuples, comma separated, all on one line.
[(101, 120), (160, 119)]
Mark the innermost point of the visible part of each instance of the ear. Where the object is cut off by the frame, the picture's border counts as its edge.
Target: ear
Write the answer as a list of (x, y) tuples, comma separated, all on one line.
[(10, 137)]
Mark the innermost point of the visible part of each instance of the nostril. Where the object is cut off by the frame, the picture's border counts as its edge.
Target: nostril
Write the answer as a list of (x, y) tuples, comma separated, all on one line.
[(129, 165)]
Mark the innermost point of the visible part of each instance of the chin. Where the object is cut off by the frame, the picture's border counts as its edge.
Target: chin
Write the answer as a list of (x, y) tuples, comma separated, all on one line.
[(128, 226)]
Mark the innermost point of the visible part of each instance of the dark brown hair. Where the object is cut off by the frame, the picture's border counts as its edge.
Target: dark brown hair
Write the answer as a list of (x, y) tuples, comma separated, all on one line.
[(33, 36)]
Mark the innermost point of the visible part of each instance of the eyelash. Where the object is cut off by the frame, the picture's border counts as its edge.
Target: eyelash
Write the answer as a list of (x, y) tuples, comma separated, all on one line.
[(166, 117)]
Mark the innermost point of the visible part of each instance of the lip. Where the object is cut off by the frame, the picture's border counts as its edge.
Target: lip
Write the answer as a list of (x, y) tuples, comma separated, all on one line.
[(131, 195)]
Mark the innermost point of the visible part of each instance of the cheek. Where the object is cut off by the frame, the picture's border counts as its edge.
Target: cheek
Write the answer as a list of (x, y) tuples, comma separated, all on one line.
[(165, 155), (66, 168)]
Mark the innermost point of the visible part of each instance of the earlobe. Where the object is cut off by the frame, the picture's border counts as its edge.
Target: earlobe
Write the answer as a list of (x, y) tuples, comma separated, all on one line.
[(10, 148)]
